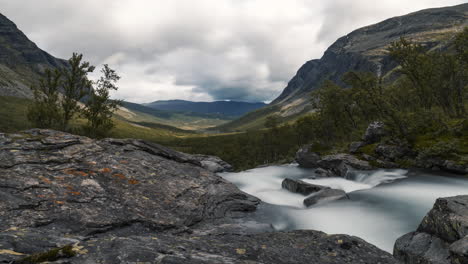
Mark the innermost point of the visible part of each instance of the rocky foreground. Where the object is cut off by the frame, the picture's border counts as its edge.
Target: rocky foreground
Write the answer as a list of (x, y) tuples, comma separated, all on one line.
[(70, 199)]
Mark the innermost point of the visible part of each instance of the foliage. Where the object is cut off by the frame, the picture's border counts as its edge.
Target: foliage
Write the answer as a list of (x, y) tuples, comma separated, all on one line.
[(99, 108), (45, 111), (76, 85)]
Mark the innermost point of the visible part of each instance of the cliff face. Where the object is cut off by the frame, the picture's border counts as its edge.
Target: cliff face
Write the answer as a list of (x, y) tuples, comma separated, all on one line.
[(365, 50), (21, 61)]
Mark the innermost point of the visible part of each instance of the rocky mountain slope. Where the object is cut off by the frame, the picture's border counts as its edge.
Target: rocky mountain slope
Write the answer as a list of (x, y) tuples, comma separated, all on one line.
[(70, 199), (21, 61), (361, 50)]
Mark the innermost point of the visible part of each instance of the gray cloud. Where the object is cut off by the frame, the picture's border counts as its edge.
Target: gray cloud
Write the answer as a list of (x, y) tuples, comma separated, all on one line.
[(199, 50)]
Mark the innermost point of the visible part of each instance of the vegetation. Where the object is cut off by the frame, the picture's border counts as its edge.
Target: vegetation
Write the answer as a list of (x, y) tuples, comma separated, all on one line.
[(58, 97)]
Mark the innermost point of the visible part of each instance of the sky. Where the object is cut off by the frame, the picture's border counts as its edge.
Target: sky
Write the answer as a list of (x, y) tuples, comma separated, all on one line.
[(199, 50)]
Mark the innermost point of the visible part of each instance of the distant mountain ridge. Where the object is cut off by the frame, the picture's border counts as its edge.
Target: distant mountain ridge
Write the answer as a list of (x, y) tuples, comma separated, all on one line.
[(21, 61), (222, 108), (362, 50)]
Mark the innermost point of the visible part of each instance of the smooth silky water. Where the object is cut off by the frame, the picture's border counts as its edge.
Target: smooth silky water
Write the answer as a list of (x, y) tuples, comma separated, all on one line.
[(383, 205)]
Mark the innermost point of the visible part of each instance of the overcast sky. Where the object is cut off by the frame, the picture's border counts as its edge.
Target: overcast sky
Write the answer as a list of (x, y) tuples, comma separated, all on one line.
[(199, 50)]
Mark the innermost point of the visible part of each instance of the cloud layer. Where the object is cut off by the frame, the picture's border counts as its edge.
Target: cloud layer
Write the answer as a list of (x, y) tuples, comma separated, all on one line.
[(199, 50)]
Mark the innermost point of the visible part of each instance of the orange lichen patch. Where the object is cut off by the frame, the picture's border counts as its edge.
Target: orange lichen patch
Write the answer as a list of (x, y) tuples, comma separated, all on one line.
[(69, 187), (75, 193), (60, 178), (123, 162), (59, 202), (133, 181), (44, 179), (106, 170), (120, 176), (75, 172), (41, 196)]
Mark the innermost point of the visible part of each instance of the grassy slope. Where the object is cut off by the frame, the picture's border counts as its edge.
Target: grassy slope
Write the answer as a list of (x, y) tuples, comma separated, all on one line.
[(13, 118), (184, 121)]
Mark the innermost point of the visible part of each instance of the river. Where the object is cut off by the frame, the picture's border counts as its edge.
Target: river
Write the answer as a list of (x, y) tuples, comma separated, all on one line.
[(383, 204)]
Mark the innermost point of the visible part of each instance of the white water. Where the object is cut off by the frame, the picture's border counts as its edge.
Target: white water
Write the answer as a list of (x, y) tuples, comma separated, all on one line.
[(383, 205)]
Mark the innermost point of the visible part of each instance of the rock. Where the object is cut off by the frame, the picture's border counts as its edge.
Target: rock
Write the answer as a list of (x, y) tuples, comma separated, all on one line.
[(325, 195), (71, 199), (298, 186), (355, 146), (421, 248), (306, 158), (213, 163), (374, 132), (320, 172), (392, 152), (441, 238), (448, 219), (453, 167), (459, 251), (341, 164)]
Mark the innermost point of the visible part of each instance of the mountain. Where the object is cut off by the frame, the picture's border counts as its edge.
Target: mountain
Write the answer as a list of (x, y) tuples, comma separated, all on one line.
[(21, 61), (227, 109), (361, 50)]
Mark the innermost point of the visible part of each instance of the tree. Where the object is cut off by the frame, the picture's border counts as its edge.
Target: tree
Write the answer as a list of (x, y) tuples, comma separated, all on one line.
[(99, 107), (45, 111), (76, 86)]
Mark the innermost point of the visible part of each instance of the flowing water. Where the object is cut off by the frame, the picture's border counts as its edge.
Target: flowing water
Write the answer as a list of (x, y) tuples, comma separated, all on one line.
[(383, 204)]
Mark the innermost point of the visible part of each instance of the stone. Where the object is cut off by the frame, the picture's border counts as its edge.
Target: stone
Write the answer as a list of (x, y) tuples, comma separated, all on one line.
[(213, 163), (320, 172), (301, 187), (374, 132), (448, 219), (70, 199), (355, 146), (341, 164), (325, 195), (392, 152), (306, 158), (441, 237), (421, 248), (459, 251)]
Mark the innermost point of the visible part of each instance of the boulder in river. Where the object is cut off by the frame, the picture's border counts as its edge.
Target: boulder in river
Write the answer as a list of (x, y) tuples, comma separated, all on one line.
[(301, 187), (307, 158), (70, 199), (441, 238), (213, 163), (325, 195), (341, 164)]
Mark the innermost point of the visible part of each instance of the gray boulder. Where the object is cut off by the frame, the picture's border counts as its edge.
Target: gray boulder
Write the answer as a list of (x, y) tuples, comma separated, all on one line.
[(213, 163), (306, 158), (298, 186), (355, 146), (325, 195), (392, 152), (441, 238), (320, 172), (374, 132), (341, 164)]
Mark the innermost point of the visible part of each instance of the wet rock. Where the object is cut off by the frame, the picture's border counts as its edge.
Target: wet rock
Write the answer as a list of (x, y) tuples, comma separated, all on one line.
[(374, 132), (325, 195), (298, 186), (306, 158), (320, 172), (440, 238), (341, 164), (453, 167)]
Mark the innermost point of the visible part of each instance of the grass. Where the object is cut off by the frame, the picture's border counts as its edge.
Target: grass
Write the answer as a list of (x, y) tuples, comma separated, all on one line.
[(13, 114)]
